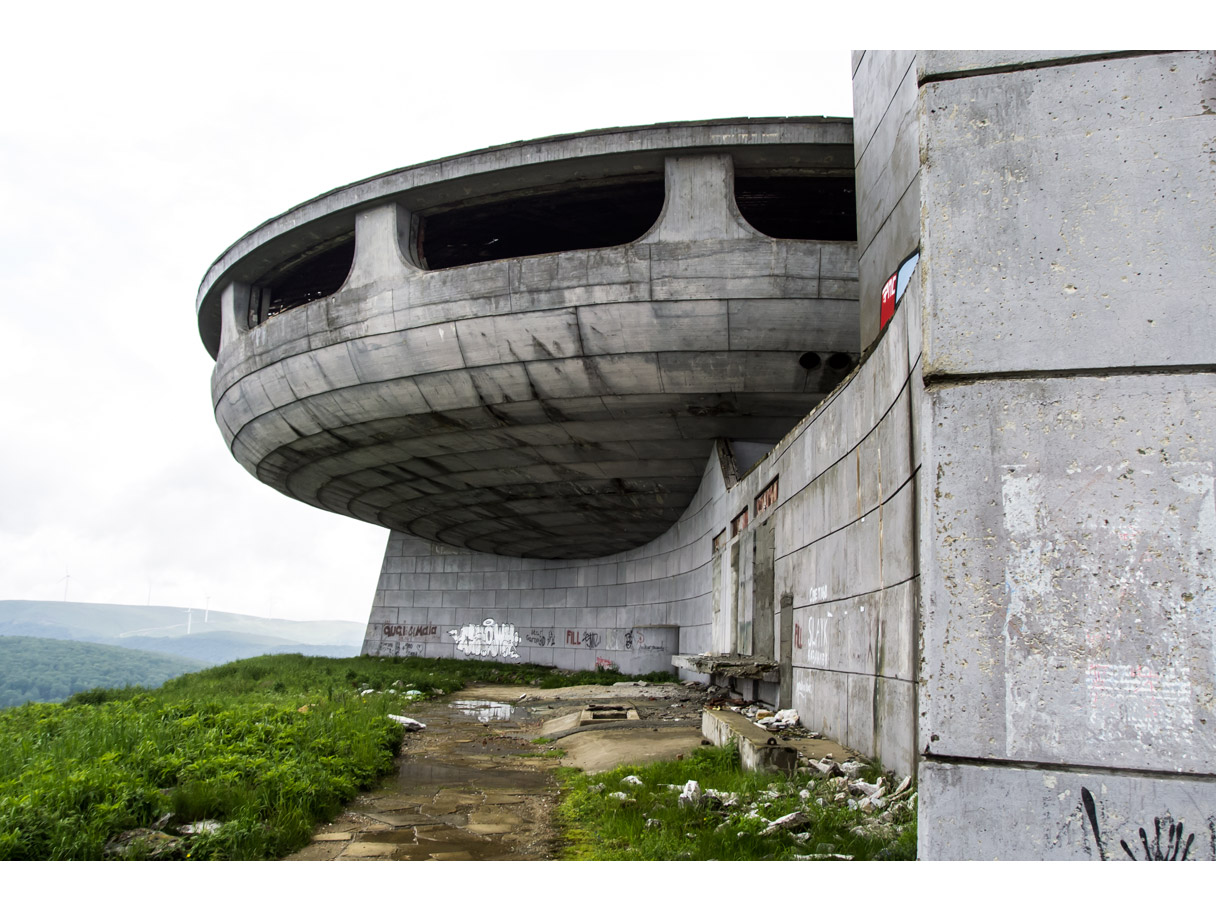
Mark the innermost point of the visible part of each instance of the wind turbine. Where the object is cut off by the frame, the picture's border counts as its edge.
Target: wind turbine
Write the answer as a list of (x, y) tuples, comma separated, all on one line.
[(67, 577)]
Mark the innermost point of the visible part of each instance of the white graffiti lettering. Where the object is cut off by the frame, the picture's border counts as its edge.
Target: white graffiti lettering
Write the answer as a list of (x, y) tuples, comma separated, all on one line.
[(487, 639)]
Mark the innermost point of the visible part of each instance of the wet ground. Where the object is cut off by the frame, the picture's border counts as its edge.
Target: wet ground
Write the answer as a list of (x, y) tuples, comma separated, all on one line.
[(466, 789)]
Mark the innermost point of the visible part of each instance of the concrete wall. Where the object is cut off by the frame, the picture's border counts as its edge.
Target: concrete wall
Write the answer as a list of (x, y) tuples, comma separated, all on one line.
[(1069, 416), (826, 578)]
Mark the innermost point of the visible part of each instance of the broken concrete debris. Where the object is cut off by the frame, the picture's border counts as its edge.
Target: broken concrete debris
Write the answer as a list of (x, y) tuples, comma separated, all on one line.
[(691, 796), (409, 724)]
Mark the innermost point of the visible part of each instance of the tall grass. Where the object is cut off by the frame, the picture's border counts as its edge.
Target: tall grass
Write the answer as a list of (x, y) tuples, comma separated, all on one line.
[(652, 826), (268, 747)]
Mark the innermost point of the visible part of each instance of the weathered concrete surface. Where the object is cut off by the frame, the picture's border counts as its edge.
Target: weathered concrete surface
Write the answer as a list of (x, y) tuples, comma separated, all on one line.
[(758, 749), (554, 406), (1068, 524), (1074, 567), (1091, 186), (1012, 813)]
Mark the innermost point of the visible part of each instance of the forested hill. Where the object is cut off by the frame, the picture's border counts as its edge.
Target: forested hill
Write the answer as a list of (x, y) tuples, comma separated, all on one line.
[(212, 637), (44, 670)]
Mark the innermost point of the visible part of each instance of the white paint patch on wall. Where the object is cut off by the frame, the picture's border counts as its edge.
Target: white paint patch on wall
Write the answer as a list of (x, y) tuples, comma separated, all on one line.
[(1027, 579), (1127, 699)]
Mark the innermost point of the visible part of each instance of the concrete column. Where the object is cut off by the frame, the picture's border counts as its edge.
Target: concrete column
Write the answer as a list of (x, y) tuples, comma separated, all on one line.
[(700, 203), (234, 312), (382, 245)]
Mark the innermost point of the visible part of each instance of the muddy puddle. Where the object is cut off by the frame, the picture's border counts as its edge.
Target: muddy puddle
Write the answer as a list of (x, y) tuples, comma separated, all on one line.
[(471, 786)]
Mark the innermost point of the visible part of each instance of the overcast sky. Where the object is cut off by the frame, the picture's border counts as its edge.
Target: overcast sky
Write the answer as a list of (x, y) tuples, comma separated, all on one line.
[(138, 141)]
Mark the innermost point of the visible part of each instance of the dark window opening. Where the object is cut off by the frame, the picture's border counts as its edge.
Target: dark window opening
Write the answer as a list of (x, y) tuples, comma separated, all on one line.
[(767, 497), (809, 360), (798, 207), (839, 361), (578, 218), (316, 274)]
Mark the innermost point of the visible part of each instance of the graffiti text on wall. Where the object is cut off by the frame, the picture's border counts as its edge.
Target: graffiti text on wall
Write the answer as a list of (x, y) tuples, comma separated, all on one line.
[(487, 639), (410, 630)]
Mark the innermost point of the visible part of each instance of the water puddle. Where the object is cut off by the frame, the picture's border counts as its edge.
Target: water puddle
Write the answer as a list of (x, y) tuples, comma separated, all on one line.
[(485, 710)]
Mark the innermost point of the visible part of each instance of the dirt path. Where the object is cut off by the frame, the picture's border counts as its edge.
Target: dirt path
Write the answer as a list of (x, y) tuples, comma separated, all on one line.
[(473, 786), (465, 790)]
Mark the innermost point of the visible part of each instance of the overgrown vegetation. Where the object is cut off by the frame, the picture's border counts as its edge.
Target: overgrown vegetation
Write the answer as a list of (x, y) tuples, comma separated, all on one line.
[(266, 747), (608, 818)]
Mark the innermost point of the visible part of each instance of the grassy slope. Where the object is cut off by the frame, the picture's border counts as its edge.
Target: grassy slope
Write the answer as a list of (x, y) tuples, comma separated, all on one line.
[(232, 743), (42, 669)]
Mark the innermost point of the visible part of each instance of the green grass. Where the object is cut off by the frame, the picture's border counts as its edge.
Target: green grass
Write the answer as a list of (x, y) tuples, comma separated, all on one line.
[(269, 747), (600, 827)]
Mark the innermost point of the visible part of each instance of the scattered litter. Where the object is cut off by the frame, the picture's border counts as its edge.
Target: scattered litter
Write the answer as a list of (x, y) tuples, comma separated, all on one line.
[(691, 796), (414, 693), (851, 768), (653, 824), (596, 789), (788, 822), (199, 826), (410, 724), (902, 787), (631, 780), (620, 796), (823, 857), (364, 693)]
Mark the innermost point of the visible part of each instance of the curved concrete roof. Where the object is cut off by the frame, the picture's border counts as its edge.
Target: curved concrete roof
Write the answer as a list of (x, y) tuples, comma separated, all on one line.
[(553, 405), (802, 142)]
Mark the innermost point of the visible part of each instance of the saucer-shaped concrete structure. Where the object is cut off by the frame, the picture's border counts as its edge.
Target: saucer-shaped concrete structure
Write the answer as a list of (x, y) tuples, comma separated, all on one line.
[(531, 350)]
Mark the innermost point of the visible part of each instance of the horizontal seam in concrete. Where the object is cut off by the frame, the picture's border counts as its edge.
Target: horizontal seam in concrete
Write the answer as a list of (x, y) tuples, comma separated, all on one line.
[(886, 111), (947, 379), (907, 481), (845, 598), (1068, 767), (859, 674), (1038, 65), (878, 231)]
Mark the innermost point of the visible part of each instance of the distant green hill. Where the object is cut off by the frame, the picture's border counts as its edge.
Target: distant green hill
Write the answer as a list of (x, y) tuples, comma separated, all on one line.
[(211, 637), (42, 670)]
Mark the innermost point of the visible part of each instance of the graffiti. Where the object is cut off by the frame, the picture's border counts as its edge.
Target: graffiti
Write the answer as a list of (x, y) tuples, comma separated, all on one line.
[(605, 664), (406, 649), (629, 639), (410, 630), (589, 638), (1173, 836), (488, 638), (818, 593), (814, 639), (540, 637)]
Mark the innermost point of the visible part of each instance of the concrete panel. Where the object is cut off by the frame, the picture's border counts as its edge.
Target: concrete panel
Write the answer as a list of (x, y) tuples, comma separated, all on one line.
[(1069, 580), (1097, 231), (1031, 814)]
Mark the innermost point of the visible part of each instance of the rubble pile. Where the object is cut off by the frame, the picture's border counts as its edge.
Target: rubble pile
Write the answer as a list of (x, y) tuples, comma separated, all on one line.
[(882, 809)]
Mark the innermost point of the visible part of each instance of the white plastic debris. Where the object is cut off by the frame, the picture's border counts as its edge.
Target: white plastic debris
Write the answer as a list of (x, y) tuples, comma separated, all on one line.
[(413, 693), (691, 796), (823, 856), (631, 780), (364, 693), (596, 789), (788, 822), (653, 824), (199, 826), (619, 796), (410, 724)]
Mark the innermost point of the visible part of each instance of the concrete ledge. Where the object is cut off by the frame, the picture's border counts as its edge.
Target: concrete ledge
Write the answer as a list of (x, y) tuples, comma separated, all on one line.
[(730, 666), (756, 753)]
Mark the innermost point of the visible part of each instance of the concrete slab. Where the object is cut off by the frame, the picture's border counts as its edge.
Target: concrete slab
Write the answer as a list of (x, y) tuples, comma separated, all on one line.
[(597, 751)]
